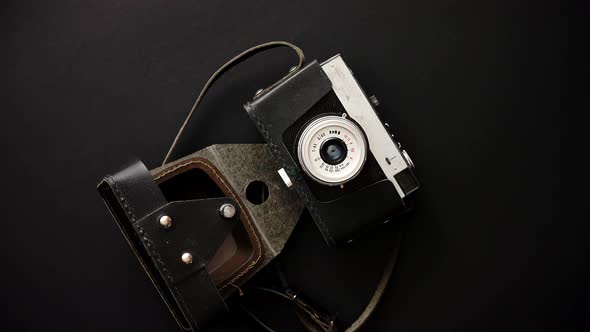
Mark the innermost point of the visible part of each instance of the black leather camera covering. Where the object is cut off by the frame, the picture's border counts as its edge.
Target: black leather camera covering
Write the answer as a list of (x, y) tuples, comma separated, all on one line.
[(137, 204), (276, 111)]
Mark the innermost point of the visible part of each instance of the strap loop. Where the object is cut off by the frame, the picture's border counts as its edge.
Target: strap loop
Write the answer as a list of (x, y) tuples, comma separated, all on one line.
[(228, 65)]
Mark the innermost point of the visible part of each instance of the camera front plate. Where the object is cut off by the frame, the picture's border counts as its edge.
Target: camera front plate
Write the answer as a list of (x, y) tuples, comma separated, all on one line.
[(387, 153)]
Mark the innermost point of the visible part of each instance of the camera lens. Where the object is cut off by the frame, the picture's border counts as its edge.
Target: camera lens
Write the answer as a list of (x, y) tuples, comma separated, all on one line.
[(333, 151)]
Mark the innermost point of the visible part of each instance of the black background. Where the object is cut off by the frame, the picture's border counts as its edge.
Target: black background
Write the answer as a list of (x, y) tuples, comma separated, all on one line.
[(487, 96)]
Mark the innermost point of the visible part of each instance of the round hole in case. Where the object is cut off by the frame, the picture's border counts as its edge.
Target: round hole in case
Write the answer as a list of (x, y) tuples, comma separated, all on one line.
[(257, 192)]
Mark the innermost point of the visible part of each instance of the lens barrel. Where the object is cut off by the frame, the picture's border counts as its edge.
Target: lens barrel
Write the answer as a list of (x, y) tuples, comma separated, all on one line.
[(332, 149)]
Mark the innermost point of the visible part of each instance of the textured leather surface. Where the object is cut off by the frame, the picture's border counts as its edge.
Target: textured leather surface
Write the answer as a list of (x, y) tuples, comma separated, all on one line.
[(243, 253), (197, 228), (239, 165), (275, 111), (134, 181)]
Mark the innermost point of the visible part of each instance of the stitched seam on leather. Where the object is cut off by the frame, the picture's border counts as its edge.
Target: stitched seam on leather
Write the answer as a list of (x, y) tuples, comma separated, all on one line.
[(141, 232), (278, 155), (253, 231), (148, 243)]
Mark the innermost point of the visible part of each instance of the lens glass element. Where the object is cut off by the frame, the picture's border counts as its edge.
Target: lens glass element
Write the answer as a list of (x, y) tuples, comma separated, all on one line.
[(333, 151)]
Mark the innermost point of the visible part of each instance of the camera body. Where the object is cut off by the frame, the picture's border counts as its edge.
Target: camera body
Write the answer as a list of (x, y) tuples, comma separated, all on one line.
[(330, 146)]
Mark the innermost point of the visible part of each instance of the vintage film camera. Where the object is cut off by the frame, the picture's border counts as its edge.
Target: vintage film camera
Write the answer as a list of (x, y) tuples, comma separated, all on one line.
[(330, 146), (202, 225)]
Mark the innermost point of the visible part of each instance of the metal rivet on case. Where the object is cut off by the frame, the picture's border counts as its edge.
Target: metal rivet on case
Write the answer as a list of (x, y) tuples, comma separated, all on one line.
[(227, 211), (187, 258), (166, 221)]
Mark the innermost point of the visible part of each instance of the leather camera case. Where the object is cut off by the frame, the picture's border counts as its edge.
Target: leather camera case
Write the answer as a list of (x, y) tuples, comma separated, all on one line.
[(190, 191)]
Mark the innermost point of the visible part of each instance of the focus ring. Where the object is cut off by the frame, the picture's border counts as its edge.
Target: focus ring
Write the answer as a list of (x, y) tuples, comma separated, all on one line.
[(332, 149)]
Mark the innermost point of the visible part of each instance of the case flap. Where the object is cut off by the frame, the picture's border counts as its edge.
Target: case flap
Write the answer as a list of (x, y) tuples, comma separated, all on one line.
[(196, 229)]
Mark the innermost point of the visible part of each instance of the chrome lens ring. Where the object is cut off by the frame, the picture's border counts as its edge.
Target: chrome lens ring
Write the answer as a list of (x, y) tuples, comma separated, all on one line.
[(328, 129)]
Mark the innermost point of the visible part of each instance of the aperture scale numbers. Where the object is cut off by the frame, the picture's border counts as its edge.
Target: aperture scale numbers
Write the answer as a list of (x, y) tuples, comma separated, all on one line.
[(350, 143)]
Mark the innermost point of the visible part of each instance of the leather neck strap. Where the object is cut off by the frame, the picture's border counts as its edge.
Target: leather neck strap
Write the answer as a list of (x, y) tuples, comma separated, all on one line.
[(227, 66), (315, 320)]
